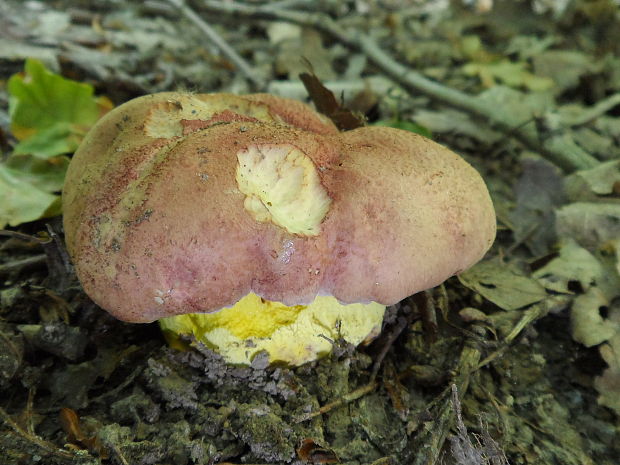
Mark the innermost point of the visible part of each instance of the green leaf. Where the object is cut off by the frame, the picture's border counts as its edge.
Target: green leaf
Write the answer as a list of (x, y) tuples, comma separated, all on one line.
[(21, 202), (47, 175), (573, 264), (510, 73), (49, 142), (607, 384), (503, 284), (27, 186), (49, 116), (49, 113), (591, 224), (588, 327), (601, 180), (449, 120), (564, 67), (405, 125)]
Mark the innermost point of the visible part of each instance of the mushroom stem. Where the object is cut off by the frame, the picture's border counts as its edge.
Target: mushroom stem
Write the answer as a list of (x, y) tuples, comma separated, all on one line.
[(290, 335)]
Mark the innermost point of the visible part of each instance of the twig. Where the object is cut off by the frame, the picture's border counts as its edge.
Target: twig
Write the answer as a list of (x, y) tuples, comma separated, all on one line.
[(371, 385), (426, 307), (396, 331), (389, 460), (432, 439), (291, 4), (412, 80), (29, 411), (484, 451), (126, 382), (349, 397), (231, 463), (443, 301), (60, 251), (8, 342), (24, 263), (120, 455), (251, 74), (530, 315), (43, 444), (23, 237), (349, 87), (596, 110)]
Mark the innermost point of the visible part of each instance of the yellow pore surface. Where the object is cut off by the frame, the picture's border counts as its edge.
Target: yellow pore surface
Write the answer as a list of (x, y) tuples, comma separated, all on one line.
[(281, 185), (292, 335)]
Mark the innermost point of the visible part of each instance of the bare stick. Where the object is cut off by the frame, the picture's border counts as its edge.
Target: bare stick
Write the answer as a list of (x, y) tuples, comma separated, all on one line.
[(120, 455), (23, 237), (230, 53), (349, 397), (599, 108), (23, 264), (569, 160), (43, 444), (396, 331), (368, 387), (535, 312)]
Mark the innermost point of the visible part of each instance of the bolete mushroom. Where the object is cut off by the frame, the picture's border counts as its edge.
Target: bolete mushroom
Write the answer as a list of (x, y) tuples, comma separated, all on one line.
[(253, 224)]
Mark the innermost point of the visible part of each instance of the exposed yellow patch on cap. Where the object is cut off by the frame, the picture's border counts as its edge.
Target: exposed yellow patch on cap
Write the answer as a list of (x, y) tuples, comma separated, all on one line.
[(164, 119), (282, 185), (293, 335)]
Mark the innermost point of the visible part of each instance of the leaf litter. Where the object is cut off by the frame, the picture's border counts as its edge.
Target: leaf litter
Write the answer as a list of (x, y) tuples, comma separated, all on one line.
[(523, 365)]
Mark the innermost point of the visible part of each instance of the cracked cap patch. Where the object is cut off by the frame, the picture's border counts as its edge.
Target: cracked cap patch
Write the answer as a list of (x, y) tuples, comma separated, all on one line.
[(165, 119), (281, 185)]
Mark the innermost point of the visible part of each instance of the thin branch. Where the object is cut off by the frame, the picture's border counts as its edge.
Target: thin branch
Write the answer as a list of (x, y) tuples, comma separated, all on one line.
[(120, 455), (412, 80), (43, 444), (372, 384), (347, 398), (529, 316), (432, 438), (400, 326), (59, 252), (484, 451), (126, 382), (23, 237), (598, 109), (17, 353), (23, 264), (251, 74), (296, 90)]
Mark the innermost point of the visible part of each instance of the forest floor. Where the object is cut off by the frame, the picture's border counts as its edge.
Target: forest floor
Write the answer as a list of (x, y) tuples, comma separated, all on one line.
[(516, 360)]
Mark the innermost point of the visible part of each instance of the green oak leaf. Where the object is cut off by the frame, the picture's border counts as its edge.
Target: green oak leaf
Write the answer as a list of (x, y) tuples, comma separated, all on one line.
[(49, 113), (27, 187)]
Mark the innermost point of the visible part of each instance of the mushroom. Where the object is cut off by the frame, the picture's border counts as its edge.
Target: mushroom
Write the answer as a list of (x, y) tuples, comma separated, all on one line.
[(251, 223)]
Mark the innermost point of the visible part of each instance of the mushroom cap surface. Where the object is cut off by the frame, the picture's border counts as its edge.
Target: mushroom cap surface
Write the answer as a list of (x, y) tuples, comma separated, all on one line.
[(158, 223)]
